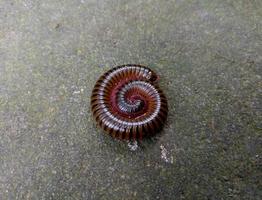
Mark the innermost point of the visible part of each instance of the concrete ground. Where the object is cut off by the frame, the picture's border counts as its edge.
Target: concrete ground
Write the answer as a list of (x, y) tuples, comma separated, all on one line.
[(209, 58)]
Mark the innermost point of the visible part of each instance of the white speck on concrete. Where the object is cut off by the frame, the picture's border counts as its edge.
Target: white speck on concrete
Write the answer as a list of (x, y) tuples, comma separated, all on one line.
[(132, 145), (164, 155), (77, 92)]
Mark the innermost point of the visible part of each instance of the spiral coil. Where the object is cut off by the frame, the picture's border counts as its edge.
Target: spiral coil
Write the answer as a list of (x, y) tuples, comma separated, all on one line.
[(127, 103)]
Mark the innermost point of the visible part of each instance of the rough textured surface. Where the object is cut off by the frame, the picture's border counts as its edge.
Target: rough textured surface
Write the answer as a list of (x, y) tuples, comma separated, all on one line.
[(209, 57)]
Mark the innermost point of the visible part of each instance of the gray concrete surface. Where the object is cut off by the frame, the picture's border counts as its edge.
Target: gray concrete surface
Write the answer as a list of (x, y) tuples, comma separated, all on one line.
[(209, 57)]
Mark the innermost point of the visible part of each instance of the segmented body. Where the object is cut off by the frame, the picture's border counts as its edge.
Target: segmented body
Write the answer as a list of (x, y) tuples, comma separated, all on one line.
[(127, 103)]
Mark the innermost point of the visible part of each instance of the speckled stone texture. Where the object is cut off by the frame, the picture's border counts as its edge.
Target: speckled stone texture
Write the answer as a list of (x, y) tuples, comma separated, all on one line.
[(209, 58)]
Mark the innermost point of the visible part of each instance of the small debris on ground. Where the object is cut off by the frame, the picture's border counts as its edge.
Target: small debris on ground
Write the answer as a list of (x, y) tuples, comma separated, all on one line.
[(132, 145)]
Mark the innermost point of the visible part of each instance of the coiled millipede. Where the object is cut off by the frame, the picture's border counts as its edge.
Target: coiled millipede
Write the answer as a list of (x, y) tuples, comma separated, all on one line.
[(127, 103)]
